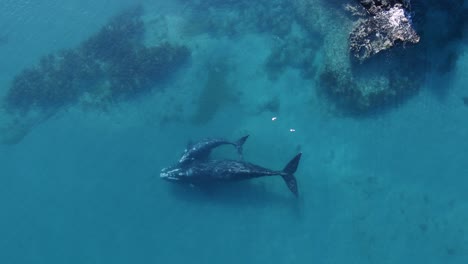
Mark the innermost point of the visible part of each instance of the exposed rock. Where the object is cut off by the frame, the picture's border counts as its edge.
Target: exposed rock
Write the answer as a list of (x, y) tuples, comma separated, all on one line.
[(374, 7), (388, 23)]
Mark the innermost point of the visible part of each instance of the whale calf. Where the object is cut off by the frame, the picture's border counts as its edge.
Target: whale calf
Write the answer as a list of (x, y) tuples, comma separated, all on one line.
[(202, 149)]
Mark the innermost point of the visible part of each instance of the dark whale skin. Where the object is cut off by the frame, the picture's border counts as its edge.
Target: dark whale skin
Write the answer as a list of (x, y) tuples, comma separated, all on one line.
[(201, 150), (213, 171)]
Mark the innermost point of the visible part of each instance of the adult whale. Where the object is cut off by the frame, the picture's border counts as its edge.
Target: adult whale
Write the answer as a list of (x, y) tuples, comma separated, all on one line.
[(200, 173)]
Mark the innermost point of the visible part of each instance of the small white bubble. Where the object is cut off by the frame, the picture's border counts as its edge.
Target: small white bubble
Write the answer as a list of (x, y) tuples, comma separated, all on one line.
[(273, 118), (292, 130)]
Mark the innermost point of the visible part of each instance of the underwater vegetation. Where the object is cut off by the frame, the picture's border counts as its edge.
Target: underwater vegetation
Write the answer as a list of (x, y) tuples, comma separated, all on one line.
[(292, 52), (113, 64), (117, 37), (233, 18), (50, 84), (293, 46)]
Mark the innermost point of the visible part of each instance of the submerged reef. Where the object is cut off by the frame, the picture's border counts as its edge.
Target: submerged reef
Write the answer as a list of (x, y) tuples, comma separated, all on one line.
[(387, 23), (111, 65), (362, 65), (292, 46), (368, 89), (316, 38), (53, 83), (353, 87), (233, 18), (363, 80), (292, 52)]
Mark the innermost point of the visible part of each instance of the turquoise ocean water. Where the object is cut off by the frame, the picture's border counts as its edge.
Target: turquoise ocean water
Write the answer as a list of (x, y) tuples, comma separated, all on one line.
[(82, 185)]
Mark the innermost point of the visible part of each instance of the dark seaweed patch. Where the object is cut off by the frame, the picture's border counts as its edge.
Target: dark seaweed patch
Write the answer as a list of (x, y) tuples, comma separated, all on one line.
[(114, 60)]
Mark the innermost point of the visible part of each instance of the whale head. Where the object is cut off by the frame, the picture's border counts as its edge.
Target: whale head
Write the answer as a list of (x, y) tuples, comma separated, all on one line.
[(172, 174)]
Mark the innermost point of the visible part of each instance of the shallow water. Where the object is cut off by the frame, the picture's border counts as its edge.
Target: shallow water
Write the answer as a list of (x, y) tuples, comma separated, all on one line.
[(82, 185)]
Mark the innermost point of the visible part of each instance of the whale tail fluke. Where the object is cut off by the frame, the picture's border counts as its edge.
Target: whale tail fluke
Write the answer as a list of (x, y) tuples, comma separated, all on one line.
[(288, 174), (239, 146)]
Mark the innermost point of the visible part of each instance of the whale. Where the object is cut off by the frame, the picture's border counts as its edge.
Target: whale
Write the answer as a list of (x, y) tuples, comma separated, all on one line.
[(201, 150), (223, 171)]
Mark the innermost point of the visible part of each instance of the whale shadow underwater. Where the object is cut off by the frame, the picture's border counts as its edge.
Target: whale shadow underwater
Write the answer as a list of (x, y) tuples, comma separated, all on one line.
[(242, 193)]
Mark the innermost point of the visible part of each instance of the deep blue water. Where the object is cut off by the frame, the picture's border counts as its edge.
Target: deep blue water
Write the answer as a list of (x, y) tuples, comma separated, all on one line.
[(83, 186)]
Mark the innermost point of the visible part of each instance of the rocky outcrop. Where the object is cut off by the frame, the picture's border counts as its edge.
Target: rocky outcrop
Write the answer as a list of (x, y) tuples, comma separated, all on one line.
[(386, 24), (373, 7)]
